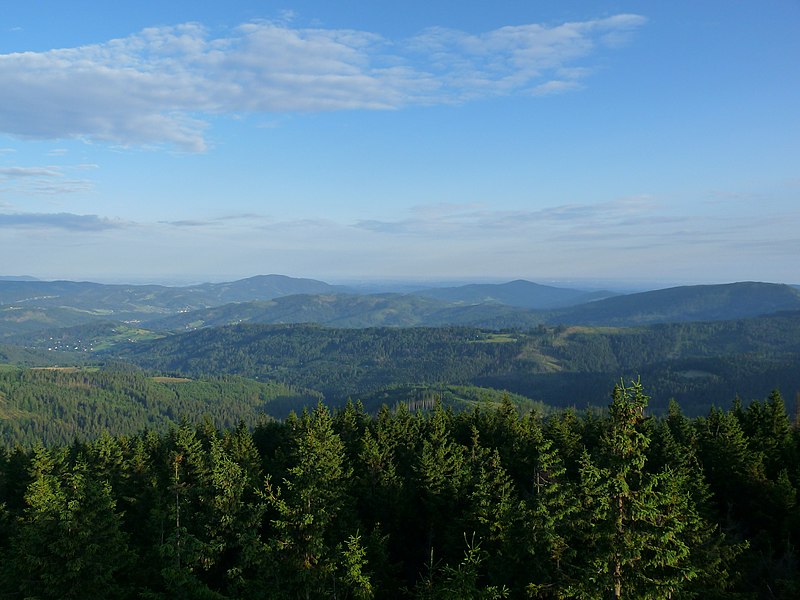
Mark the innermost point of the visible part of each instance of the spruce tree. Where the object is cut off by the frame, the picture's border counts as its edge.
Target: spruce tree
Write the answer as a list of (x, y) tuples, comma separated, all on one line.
[(309, 515), (69, 543), (640, 530)]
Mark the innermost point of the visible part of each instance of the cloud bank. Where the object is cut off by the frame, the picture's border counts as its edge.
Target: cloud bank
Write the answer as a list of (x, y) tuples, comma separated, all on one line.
[(64, 221), (163, 84)]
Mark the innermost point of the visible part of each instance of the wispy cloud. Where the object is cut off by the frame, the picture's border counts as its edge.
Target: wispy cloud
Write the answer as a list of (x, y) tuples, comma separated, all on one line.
[(627, 237), (26, 172), (48, 180), (474, 220), (66, 221), (228, 220), (163, 84)]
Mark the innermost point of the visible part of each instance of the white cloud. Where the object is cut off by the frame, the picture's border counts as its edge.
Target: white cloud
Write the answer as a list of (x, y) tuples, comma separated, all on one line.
[(630, 237), (67, 221), (162, 84), (555, 86), (48, 180), (18, 172), (479, 222)]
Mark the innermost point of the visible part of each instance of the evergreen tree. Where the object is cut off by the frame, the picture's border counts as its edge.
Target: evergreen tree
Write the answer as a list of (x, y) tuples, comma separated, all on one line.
[(640, 529), (69, 543), (232, 514), (769, 431), (309, 514), (441, 476), (551, 505), (184, 551), (458, 583)]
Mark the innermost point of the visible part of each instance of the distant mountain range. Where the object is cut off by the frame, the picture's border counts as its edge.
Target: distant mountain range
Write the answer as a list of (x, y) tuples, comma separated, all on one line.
[(688, 303), (701, 344), (693, 303), (33, 307), (127, 300), (521, 293)]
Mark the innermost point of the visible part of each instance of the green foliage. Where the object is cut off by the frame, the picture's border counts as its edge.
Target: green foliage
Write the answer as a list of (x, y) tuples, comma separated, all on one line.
[(459, 582), (69, 542), (309, 514), (487, 503), (699, 364), (55, 406), (643, 527)]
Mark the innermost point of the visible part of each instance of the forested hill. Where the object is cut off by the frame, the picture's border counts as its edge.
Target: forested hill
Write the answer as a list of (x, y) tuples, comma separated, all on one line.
[(521, 293), (695, 303), (698, 363), (56, 405), (143, 301), (335, 310), (687, 303)]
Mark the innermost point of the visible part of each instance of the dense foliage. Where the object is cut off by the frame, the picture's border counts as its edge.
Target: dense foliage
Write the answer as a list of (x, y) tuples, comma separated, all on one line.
[(57, 405), (434, 504), (699, 364)]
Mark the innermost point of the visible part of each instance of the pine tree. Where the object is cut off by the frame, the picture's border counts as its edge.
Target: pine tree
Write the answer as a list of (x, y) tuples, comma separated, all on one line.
[(641, 530), (185, 553), (441, 475), (551, 506), (769, 431), (496, 519), (69, 543), (461, 582), (232, 515), (309, 513)]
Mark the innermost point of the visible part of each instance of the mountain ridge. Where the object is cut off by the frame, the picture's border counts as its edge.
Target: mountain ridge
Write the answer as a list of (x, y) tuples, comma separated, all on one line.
[(30, 306), (519, 292)]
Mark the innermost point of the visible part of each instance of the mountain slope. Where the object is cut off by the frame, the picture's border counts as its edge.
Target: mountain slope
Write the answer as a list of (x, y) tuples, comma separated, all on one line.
[(37, 305), (263, 287), (693, 303), (336, 310), (687, 303), (707, 362), (28, 307), (520, 293)]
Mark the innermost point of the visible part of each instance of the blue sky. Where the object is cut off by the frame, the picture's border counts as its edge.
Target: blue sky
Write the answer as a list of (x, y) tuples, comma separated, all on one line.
[(556, 140)]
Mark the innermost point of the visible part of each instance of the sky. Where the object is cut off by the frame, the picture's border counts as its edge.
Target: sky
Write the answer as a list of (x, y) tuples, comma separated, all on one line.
[(556, 140)]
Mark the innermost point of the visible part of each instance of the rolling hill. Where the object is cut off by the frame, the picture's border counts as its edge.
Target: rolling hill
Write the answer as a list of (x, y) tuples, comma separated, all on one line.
[(687, 303), (698, 363), (694, 303), (520, 293), (28, 306), (337, 310)]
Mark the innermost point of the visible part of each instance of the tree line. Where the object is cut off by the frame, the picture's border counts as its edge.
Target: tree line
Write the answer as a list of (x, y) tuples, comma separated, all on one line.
[(487, 503)]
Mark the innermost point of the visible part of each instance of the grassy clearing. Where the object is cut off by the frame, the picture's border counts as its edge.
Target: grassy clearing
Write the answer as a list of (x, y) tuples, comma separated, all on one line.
[(496, 338), (160, 379)]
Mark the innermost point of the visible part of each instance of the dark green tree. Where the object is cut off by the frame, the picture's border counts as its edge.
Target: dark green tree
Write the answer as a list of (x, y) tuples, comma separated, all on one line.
[(69, 542), (310, 515), (640, 530)]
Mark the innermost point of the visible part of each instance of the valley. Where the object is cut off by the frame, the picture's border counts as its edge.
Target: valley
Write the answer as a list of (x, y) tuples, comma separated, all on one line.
[(541, 346)]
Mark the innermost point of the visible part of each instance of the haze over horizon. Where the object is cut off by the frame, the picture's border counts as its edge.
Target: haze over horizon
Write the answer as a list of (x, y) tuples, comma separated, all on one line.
[(587, 141)]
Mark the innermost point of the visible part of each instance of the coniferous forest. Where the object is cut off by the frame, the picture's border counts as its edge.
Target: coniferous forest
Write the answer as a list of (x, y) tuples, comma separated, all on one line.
[(483, 503)]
